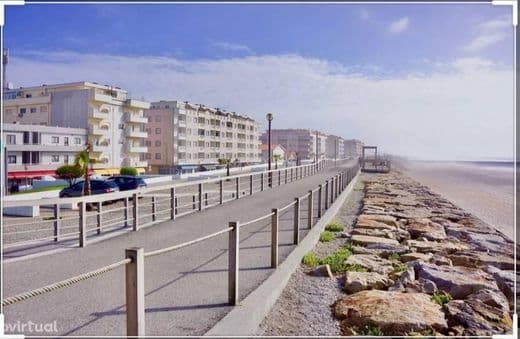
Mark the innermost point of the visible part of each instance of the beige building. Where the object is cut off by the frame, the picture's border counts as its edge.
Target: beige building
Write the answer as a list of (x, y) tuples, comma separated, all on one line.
[(115, 123), (184, 137), (300, 141), (335, 147), (353, 147)]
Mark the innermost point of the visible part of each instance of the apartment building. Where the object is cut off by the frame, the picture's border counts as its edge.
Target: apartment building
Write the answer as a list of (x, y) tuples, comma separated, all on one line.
[(300, 141), (114, 122), (353, 147), (33, 151), (335, 148), (185, 137)]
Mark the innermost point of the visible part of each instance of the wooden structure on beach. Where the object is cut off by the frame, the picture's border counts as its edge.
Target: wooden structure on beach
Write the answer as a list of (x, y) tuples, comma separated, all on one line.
[(374, 163)]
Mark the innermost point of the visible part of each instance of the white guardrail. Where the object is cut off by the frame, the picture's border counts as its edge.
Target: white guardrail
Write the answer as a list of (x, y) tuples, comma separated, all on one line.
[(134, 260)]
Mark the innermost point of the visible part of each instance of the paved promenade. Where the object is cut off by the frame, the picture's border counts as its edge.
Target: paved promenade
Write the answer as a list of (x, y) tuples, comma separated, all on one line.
[(186, 290)]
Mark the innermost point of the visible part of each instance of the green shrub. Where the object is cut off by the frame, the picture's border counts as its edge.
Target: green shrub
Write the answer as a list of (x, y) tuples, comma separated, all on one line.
[(441, 298), (394, 256), (336, 260), (69, 173), (310, 259), (370, 330), (128, 171), (399, 267), (327, 236), (354, 268), (334, 227)]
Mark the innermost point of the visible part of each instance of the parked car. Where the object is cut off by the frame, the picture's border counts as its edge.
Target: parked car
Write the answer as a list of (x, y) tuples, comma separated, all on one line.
[(96, 187), (128, 182)]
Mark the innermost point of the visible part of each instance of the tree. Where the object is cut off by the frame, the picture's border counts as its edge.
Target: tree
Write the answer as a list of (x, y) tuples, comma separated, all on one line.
[(70, 173), (226, 162), (276, 158), (128, 171), (83, 161)]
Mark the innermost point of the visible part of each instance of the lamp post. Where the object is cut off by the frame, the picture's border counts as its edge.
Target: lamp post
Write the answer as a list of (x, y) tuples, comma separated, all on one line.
[(316, 160), (269, 117)]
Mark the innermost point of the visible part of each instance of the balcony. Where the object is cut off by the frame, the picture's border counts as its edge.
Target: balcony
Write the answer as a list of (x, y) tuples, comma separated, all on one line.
[(136, 149), (137, 104), (129, 133), (95, 114), (181, 148), (134, 118), (96, 130), (99, 148)]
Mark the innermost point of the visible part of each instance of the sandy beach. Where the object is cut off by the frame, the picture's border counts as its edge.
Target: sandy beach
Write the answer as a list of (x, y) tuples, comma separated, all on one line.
[(483, 189)]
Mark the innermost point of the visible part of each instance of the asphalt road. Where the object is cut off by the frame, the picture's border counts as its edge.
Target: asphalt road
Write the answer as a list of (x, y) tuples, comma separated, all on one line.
[(186, 290)]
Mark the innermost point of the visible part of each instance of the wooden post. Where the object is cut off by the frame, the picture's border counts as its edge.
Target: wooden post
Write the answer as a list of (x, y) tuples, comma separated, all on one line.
[(57, 213), (99, 216), (261, 181), (135, 212), (331, 190), (326, 194), (292, 174), (194, 203), (82, 224), (154, 208), (173, 203), (238, 187), (221, 192), (233, 262), (286, 175), (320, 193), (125, 214), (296, 224), (251, 184), (201, 207), (176, 205), (310, 211), (279, 177), (134, 288), (206, 198), (274, 238)]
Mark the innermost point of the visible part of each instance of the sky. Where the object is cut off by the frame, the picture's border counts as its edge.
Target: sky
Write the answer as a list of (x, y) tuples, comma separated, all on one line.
[(424, 81)]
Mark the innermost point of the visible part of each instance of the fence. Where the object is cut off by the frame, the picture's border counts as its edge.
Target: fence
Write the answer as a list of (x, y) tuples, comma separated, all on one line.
[(140, 208), (318, 200)]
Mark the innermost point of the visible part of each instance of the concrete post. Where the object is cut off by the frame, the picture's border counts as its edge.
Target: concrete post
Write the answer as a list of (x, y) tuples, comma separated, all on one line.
[(238, 187), (125, 214), (320, 193), (274, 238), (134, 288), (296, 224), (154, 208), (56, 222), (173, 203), (310, 209), (201, 207), (233, 262), (82, 224), (251, 184), (99, 217), (221, 192)]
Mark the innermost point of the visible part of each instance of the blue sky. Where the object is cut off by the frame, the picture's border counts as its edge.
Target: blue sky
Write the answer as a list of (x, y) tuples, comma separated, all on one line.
[(351, 55)]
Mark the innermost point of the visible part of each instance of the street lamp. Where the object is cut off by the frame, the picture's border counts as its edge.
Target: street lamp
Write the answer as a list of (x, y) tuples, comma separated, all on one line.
[(316, 150), (269, 117)]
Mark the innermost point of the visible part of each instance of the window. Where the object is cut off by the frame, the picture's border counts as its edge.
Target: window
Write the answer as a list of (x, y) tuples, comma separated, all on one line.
[(26, 157), (55, 140), (26, 138), (158, 156), (33, 110), (11, 159), (149, 131), (157, 143), (157, 131), (66, 159), (77, 141), (35, 157), (148, 143), (158, 118), (35, 138), (55, 158), (23, 110), (148, 156), (43, 108), (66, 141), (11, 139)]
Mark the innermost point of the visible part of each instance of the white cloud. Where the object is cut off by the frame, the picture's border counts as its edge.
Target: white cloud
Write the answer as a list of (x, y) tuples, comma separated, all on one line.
[(399, 26), (461, 110), (489, 33), (234, 47)]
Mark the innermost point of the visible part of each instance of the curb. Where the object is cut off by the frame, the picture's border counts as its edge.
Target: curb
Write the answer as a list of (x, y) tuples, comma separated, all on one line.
[(243, 320)]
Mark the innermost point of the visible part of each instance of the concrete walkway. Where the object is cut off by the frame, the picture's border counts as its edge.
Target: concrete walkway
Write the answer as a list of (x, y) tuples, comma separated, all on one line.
[(186, 290)]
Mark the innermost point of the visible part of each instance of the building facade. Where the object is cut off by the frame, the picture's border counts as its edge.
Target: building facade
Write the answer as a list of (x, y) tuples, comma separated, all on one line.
[(353, 147), (34, 151), (301, 142), (185, 137), (114, 122), (335, 148), (276, 150)]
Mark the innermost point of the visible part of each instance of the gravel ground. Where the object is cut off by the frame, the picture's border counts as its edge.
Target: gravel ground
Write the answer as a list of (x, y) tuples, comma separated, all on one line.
[(299, 310)]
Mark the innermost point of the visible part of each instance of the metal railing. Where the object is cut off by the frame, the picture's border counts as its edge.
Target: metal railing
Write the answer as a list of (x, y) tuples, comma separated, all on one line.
[(143, 207), (134, 260)]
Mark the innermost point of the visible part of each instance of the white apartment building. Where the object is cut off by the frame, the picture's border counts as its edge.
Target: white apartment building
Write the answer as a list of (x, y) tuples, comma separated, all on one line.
[(353, 147), (33, 151), (335, 147), (304, 143), (183, 137), (114, 122)]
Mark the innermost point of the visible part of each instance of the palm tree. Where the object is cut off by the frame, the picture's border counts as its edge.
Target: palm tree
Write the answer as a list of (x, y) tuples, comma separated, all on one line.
[(82, 161), (226, 162), (276, 158)]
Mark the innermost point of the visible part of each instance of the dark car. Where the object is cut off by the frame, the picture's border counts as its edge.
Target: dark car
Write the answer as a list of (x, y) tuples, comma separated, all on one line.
[(128, 182), (96, 187)]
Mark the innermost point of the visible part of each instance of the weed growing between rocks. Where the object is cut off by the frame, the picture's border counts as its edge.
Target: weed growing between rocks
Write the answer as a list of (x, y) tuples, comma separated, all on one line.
[(327, 236), (441, 298), (334, 227), (399, 267), (394, 256), (335, 260), (371, 331), (310, 259)]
